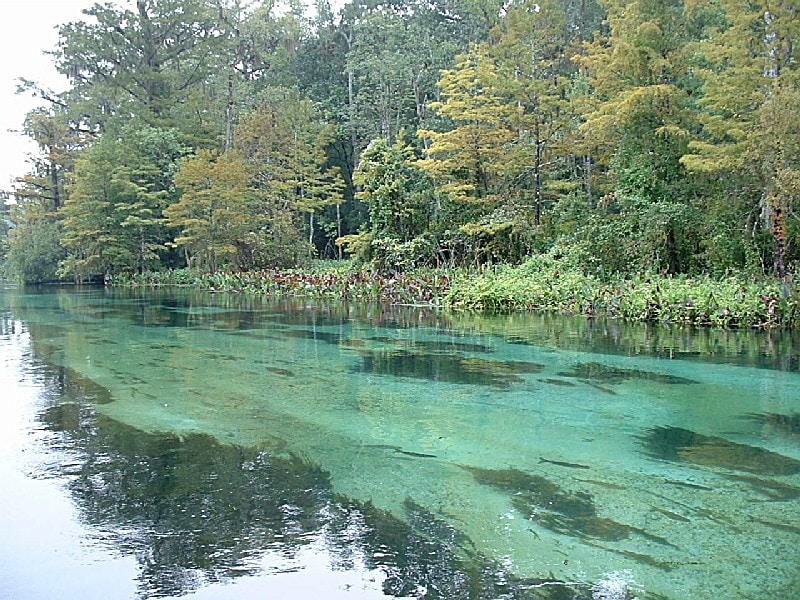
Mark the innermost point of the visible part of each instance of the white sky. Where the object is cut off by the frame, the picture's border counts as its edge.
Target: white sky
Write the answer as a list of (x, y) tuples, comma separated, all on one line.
[(27, 30)]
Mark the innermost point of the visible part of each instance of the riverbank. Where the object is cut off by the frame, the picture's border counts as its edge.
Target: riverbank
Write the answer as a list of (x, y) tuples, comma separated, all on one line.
[(328, 279), (541, 284)]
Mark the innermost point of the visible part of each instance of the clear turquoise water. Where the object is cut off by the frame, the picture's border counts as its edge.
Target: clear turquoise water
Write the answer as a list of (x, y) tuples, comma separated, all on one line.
[(224, 446)]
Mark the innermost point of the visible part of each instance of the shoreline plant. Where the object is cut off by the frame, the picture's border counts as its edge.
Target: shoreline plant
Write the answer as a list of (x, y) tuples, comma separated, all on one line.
[(541, 284)]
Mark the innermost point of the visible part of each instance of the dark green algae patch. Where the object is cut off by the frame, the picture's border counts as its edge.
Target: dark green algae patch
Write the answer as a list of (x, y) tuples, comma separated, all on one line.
[(597, 373), (447, 346), (778, 422), (450, 368), (676, 444), (549, 505)]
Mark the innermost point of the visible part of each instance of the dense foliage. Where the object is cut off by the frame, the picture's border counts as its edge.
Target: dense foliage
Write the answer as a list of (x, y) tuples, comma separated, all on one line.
[(636, 138)]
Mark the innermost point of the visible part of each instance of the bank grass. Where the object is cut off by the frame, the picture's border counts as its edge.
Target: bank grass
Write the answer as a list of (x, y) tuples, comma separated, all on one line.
[(541, 284), (322, 279), (546, 285)]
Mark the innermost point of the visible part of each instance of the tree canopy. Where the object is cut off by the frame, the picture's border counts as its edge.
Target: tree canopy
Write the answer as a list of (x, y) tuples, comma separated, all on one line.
[(629, 136)]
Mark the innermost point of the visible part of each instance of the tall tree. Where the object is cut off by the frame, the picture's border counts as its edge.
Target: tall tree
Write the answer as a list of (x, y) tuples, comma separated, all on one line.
[(399, 196), (535, 71), (33, 245), (751, 119), (286, 146), (215, 223), (149, 62), (58, 144), (638, 128), (113, 216), (467, 161)]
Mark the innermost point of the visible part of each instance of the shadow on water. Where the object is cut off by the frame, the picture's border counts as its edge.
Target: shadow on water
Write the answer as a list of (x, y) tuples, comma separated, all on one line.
[(450, 368), (193, 511), (189, 307), (433, 346), (234, 311), (776, 491), (761, 349), (68, 385), (682, 445)]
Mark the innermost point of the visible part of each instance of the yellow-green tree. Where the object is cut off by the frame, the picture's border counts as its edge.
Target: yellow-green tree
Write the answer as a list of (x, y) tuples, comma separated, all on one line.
[(467, 161), (637, 124), (512, 119), (535, 72), (750, 68), (213, 214), (285, 143), (112, 218)]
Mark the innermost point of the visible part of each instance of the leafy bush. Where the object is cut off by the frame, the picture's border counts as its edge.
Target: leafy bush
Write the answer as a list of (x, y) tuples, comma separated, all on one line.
[(35, 251), (545, 283)]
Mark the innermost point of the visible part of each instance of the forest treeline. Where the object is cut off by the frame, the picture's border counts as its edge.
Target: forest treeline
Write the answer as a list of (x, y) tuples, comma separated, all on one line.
[(623, 136)]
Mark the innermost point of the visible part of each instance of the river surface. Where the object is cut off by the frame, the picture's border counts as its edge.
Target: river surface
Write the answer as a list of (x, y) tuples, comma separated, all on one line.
[(166, 444)]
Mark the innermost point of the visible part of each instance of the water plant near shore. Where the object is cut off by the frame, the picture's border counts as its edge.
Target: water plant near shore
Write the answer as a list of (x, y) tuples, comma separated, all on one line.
[(676, 444), (425, 287), (542, 284)]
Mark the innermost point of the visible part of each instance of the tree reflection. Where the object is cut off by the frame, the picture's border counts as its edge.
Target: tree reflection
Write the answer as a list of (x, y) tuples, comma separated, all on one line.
[(194, 511)]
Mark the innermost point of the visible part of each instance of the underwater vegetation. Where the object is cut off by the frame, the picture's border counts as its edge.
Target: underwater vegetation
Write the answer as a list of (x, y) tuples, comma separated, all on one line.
[(683, 445), (592, 372), (554, 508), (433, 345), (774, 490), (308, 334), (561, 382), (783, 423), (424, 556), (450, 368), (279, 371)]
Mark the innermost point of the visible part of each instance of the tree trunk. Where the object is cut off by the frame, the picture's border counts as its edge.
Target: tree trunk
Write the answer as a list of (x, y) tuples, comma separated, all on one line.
[(229, 109), (54, 184), (779, 234), (587, 181), (339, 229), (537, 178)]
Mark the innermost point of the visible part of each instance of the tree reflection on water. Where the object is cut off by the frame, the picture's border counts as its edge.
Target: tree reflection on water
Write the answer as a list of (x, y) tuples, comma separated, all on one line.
[(194, 511)]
